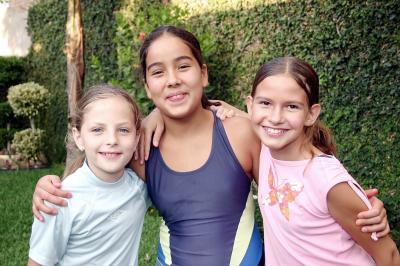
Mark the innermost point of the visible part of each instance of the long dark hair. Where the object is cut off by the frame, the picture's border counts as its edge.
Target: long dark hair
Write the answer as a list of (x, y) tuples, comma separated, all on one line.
[(187, 37), (306, 77), (94, 93)]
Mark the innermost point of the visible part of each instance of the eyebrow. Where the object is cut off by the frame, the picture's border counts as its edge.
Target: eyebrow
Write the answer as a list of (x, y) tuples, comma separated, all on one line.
[(183, 57), (285, 102)]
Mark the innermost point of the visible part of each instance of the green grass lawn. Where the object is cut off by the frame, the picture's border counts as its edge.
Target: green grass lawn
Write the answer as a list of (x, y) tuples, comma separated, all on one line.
[(16, 189)]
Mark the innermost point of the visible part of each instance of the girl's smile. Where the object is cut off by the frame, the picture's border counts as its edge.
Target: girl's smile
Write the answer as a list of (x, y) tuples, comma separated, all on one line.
[(279, 112), (108, 136), (174, 78)]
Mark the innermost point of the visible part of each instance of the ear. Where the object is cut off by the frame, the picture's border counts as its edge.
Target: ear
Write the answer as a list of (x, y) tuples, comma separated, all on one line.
[(78, 139), (204, 75), (249, 104), (313, 115)]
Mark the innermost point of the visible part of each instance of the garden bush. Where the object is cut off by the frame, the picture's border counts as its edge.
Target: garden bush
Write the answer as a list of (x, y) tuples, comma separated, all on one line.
[(12, 71), (28, 99), (29, 143), (353, 45), (9, 124)]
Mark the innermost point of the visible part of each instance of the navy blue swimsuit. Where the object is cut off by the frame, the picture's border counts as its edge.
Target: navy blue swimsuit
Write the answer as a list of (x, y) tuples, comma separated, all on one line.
[(208, 212)]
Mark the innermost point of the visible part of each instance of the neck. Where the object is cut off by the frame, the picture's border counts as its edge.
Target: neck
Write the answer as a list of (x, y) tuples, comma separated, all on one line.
[(296, 153), (187, 126)]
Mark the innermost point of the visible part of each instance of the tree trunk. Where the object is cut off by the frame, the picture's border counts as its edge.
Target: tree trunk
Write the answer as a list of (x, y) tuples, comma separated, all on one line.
[(74, 49), (32, 122)]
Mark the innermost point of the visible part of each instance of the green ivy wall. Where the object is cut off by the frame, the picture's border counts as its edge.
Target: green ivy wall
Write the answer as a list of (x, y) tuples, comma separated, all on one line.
[(353, 45)]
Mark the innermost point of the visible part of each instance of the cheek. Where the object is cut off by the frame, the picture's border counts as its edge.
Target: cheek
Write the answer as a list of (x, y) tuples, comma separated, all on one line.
[(154, 86), (257, 115), (298, 121)]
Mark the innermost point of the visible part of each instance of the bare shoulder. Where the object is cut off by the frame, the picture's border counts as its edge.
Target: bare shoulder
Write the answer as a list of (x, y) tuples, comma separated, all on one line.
[(239, 126), (244, 143)]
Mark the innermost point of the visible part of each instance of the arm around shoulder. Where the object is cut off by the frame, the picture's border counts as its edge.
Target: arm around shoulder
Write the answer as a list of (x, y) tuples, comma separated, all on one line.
[(344, 205)]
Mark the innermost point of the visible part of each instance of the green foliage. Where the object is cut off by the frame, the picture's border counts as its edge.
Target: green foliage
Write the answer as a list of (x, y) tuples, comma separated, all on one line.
[(12, 72), (29, 143), (6, 114), (28, 99), (6, 135), (46, 63), (135, 20), (353, 45)]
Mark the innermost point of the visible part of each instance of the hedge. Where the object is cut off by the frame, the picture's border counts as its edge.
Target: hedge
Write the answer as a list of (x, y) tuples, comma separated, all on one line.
[(12, 72), (353, 45), (46, 62)]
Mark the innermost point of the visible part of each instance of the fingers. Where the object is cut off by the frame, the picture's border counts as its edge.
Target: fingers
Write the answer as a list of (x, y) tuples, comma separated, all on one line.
[(213, 107), (52, 190), (48, 188), (223, 113), (375, 219), (384, 232), (38, 204), (36, 212), (157, 136), (140, 148), (371, 192)]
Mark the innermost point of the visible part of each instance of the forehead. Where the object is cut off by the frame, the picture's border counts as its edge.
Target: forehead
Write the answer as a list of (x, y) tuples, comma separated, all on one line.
[(280, 85), (113, 104), (167, 47)]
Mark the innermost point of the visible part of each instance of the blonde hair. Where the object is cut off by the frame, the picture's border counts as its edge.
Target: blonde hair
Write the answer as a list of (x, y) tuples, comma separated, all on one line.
[(94, 93)]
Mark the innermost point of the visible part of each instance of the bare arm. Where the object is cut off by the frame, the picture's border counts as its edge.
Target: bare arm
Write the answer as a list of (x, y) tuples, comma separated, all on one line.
[(31, 262), (48, 188), (153, 123), (344, 205)]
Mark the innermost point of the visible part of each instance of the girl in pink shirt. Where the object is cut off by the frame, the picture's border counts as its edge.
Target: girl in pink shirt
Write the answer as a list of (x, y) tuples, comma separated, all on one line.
[(308, 200)]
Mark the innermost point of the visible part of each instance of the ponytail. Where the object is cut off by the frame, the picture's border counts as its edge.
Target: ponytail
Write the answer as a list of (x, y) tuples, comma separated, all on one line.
[(321, 137)]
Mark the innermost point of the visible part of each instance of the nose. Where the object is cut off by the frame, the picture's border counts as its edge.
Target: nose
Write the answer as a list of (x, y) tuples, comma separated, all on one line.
[(112, 138), (173, 79), (275, 115)]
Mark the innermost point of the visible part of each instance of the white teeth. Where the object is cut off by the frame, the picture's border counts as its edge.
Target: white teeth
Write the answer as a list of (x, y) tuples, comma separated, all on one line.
[(274, 131), (110, 154)]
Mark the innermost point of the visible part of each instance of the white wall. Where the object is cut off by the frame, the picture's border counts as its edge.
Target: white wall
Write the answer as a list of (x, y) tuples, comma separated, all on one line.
[(14, 38)]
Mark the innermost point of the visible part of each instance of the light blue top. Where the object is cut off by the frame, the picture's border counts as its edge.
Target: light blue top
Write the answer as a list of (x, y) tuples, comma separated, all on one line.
[(101, 225)]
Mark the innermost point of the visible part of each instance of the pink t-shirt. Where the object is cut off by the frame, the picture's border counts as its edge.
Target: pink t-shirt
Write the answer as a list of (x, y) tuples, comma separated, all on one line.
[(298, 228)]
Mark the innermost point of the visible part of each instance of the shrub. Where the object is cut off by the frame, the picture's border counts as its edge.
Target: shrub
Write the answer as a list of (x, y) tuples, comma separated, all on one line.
[(6, 114), (28, 99), (6, 135), (29, 143), (12, 71)]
